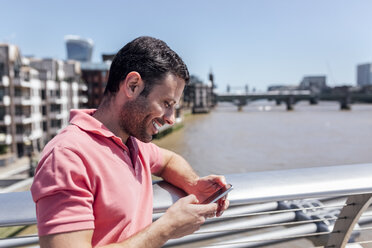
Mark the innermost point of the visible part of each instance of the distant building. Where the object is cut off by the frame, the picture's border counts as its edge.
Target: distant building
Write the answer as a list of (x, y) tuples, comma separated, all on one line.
[(198, 96), (315, 84), (364, 74), (78, 48), (108, 57), (35, 98), (20, 116), (95, 76)]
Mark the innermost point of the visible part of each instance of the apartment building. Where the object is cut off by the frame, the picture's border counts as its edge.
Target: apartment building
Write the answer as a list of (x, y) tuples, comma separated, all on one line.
[(95, 75), (35, 98)]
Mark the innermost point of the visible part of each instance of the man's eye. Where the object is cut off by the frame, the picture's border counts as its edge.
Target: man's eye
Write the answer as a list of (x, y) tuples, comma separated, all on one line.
[(166, 104)]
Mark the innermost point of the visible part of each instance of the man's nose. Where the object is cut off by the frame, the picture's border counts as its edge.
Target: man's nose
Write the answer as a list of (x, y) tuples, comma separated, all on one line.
[(169, 117)]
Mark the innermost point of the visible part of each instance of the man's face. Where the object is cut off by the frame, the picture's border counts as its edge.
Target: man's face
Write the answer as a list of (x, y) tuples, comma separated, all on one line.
[(143, 116)]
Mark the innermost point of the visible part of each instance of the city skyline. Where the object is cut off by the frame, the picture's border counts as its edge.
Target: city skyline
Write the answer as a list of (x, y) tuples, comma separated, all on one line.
[(258, 43)]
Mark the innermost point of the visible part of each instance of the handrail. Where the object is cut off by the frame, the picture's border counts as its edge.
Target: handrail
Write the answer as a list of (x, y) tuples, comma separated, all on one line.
[(279, 185), (16, 209), (266, 188)]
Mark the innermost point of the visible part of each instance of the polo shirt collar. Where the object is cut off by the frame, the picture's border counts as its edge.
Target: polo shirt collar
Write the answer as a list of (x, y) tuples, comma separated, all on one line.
[(84, 120)]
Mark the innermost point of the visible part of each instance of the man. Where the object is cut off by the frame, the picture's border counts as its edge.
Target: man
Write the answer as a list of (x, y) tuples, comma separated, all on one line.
[(93, 185)]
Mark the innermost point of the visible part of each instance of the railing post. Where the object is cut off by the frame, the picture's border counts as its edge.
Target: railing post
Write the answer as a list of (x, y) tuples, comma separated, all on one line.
[(349, 216)]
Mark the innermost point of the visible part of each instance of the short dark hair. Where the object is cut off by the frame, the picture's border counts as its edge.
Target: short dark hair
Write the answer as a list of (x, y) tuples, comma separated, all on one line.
[(151, 58)]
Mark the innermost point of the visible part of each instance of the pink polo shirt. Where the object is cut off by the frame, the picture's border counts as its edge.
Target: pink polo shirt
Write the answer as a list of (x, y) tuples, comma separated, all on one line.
[(88, 179)]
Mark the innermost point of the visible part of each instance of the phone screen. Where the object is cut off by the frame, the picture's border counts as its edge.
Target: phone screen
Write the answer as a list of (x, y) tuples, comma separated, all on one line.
[(218, 194)]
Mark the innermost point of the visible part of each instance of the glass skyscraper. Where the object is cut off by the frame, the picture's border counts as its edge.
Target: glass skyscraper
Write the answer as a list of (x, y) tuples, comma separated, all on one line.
[(364, 74), (78, 48)]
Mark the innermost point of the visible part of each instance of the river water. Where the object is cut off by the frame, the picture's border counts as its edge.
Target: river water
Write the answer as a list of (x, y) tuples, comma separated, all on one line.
[(264, 136)]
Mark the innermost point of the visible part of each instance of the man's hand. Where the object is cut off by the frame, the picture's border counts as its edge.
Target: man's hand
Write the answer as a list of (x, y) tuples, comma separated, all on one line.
[(178, 172), (186, 216), (182, 218), (206, 186)]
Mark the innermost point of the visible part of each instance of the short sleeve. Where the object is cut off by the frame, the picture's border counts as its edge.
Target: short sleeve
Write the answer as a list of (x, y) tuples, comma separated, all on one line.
[(152, 155), (62, 192)]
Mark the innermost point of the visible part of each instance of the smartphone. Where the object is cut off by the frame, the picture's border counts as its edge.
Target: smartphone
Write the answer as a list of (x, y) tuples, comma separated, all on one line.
[(218, 194)]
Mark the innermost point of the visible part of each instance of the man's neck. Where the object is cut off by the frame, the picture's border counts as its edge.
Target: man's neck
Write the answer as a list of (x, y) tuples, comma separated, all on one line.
[(109, 119)]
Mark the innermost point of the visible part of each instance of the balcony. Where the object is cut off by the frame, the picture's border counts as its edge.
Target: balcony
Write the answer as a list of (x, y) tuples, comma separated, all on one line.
[(23, 137), (5, 120), (23, 100), (4, 100), (57, 100), (55, 115), (21, 83), (83, 87), (36, 134), (5, 139), (23, 119), (4, 81), (83, 99)]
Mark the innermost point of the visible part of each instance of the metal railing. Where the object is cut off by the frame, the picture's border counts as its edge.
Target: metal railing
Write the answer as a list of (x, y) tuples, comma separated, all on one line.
[(318, 207)]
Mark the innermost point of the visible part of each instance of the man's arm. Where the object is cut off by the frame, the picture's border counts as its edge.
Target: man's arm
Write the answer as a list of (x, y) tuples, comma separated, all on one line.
[(177, 171), (182, 218)]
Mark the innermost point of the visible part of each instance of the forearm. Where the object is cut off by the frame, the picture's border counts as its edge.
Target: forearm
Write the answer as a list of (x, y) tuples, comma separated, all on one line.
[(178, 172), (153, 236)]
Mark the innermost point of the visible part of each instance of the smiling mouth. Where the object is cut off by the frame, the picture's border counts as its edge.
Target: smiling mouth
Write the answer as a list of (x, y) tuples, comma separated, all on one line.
[(156, 125)]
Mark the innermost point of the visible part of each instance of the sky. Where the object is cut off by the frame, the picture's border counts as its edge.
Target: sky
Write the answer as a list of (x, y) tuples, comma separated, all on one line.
[(243, 42)]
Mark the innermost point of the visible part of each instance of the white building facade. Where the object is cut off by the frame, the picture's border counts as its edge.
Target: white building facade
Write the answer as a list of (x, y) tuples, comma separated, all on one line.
[(35, 98)]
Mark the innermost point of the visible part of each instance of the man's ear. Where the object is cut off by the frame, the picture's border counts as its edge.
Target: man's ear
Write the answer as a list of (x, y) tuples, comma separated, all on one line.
[(132, 85)]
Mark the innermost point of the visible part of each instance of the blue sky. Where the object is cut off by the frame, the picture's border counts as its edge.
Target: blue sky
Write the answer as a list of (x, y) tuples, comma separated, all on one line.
[(254, 42)]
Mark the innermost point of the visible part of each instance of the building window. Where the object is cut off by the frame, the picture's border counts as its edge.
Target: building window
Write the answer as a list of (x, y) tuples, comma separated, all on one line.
[(18, 110), (43, 94), (55, 108), (3, 129), (44, 112), (17, 69), (2, 112), (55, 123), (19, 129), (2, 70), (2, 93), (45, 126), (18, 92)]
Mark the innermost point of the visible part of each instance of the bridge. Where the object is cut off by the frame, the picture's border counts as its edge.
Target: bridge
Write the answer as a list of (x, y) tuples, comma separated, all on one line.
[(291, 97), (322, 206)]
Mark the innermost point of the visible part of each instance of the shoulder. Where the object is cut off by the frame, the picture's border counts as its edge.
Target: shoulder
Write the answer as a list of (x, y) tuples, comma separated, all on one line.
[(71, 138), (67, 149)]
